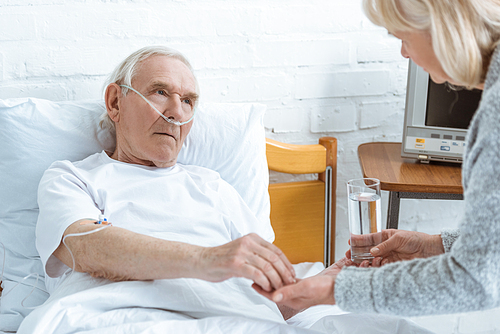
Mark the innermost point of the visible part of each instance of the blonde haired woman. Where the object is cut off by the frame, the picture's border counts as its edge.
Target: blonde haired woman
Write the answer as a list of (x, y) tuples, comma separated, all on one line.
[(456, 271)]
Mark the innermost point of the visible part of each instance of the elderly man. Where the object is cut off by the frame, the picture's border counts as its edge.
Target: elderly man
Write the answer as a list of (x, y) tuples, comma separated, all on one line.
[(162, 220)]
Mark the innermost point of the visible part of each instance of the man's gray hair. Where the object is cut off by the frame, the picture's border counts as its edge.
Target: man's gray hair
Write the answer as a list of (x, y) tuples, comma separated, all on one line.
[(125, 72)]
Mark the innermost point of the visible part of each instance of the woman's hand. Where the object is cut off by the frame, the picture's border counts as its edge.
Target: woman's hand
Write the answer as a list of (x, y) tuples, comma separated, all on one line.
[(400, 245)]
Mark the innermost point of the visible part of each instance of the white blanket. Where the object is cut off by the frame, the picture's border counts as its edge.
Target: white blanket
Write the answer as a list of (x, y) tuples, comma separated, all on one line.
[(188, 306)]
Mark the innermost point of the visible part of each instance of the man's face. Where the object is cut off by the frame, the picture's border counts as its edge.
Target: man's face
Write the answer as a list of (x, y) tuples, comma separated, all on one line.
[(143, 136)]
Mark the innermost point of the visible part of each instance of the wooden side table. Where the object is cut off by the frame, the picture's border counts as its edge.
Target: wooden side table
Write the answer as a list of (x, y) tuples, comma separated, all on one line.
[(408, 178)]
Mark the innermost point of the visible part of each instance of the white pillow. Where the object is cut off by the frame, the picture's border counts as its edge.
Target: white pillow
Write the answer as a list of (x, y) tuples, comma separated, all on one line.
[(228, 138)]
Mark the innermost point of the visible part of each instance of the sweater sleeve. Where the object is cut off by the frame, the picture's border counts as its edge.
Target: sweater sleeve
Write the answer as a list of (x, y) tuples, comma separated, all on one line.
[(410, 288), (449, 236)]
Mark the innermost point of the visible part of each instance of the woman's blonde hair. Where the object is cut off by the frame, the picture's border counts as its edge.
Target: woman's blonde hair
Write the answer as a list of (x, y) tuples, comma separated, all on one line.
[(464, 32), (125, 72)]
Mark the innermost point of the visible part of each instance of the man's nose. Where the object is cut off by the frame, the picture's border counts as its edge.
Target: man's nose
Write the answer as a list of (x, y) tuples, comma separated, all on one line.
[(173, 109)]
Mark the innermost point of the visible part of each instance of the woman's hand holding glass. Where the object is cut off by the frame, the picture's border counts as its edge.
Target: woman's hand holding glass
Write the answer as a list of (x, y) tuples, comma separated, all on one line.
[(400, 245)]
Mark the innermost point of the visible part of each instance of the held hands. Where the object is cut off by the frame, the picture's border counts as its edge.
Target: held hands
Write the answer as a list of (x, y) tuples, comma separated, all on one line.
[(311, 291), (251, 257)]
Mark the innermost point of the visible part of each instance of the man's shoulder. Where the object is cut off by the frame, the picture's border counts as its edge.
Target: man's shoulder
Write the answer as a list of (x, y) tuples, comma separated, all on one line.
[(68, 166)]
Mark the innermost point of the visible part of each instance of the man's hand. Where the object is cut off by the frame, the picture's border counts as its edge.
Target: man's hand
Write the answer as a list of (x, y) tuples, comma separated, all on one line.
[(308, 292), (400, 245), (251, 257)]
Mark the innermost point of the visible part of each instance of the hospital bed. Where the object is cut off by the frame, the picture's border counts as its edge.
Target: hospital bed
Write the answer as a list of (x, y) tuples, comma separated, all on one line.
[(34, 133)]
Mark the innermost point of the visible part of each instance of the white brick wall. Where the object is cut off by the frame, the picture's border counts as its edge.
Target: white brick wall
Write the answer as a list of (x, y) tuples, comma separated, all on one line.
[(320, 66)]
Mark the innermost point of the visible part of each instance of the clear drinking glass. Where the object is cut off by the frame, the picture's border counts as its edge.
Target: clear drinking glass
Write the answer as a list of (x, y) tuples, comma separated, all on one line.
[(365, 222)]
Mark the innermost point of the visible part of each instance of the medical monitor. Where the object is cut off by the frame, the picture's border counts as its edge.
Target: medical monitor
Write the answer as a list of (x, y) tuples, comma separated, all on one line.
[(436, 118)]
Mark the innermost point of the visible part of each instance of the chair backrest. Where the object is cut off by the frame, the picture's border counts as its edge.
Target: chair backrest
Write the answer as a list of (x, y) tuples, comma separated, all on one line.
[(303, 213)]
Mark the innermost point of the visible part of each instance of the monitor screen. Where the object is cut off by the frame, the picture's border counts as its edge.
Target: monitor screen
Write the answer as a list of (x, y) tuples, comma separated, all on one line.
[(436, 118), (450, 108)]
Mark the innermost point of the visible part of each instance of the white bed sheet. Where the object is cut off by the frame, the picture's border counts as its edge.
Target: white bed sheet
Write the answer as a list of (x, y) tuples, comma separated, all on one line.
[(191, 306)]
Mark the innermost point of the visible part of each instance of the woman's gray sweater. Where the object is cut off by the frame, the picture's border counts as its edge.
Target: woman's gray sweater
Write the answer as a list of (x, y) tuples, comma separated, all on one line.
[(467, 276)]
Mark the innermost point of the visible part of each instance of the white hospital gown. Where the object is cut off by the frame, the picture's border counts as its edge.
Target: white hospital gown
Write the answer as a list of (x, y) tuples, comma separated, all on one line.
[(181, 203)]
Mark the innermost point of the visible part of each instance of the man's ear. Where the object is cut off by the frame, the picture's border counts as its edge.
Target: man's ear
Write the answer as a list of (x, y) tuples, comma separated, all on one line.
[(112, 100)]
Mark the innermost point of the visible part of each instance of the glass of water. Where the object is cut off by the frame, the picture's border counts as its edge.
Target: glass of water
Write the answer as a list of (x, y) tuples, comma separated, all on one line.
[(365, 222)]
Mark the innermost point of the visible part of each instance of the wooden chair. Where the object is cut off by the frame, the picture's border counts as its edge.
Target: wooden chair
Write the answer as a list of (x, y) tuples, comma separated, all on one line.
[(303, 213)]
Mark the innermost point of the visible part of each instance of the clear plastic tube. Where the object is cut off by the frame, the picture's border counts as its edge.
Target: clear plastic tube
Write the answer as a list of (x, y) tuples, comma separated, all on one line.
[(5, 293), (159, 113), (79, 235)]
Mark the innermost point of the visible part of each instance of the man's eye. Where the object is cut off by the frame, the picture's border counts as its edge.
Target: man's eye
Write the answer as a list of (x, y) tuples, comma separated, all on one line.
[(161, 92), (188, 101)]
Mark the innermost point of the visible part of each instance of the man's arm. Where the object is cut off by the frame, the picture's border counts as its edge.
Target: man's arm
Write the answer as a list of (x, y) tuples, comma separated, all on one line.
[(119, 254)]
